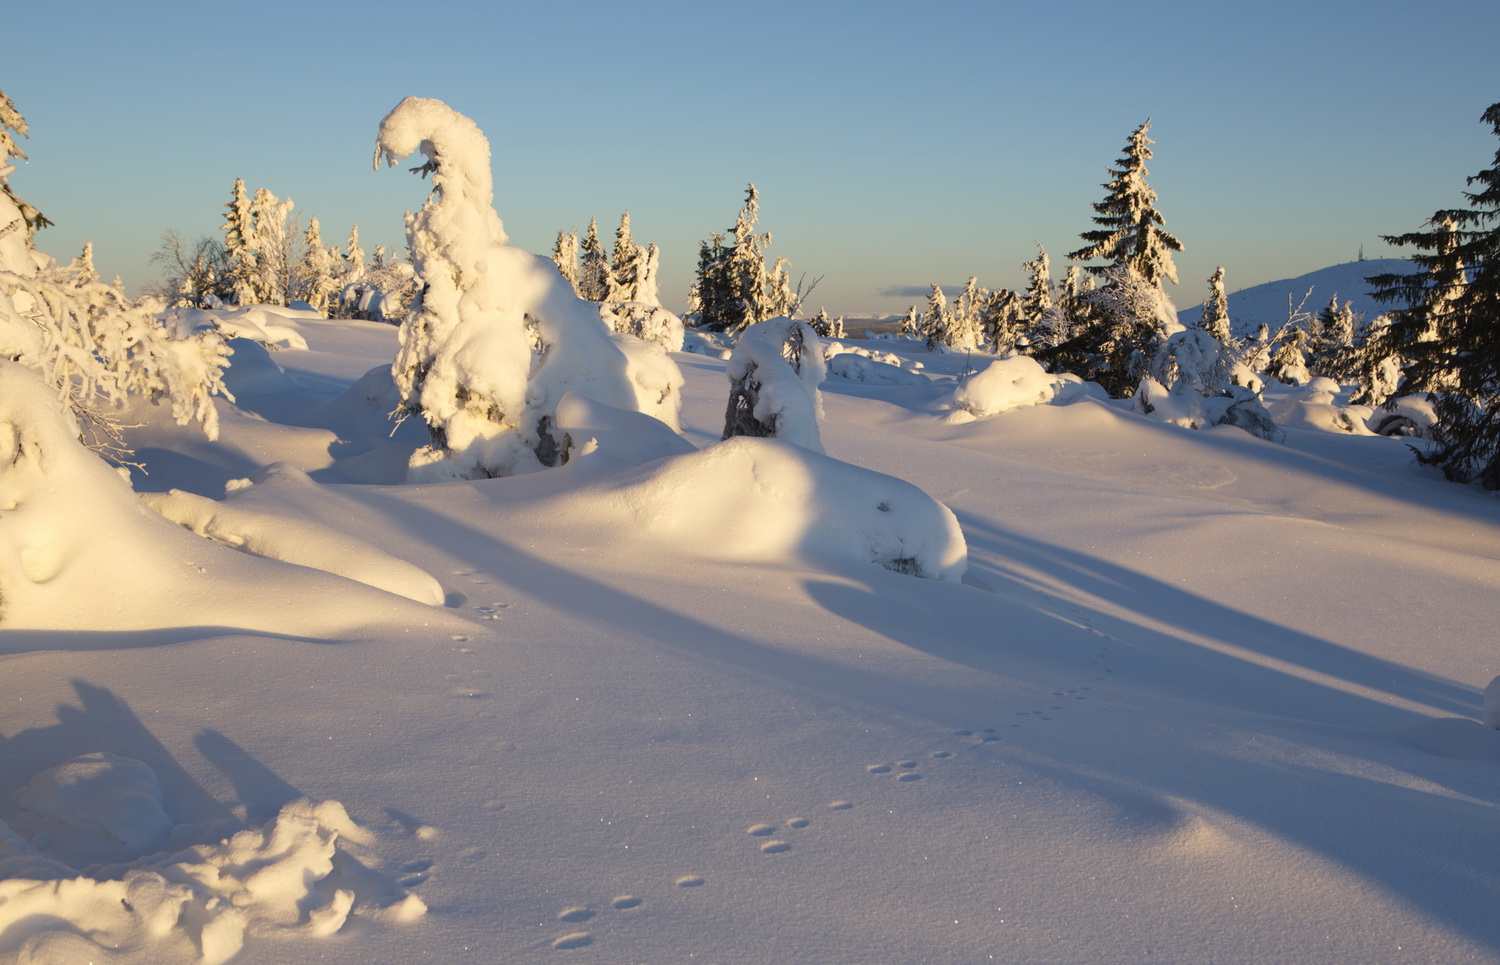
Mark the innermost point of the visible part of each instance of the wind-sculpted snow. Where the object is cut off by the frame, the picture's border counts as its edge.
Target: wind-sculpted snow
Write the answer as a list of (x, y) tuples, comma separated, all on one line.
[(774, 373), (276, 515), (1003, 385), (133, 904), (79, 549)]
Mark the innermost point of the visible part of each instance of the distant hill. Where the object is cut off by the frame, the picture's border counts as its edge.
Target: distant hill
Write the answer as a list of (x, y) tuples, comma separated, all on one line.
[(1267, 304)]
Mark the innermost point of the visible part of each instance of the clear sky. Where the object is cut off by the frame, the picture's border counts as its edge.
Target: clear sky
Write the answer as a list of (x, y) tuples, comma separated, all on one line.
[(894, 144)]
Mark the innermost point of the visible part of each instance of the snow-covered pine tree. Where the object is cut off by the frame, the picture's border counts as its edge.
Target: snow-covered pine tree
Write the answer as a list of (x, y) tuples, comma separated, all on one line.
[(12, 123), (239, 245), (353, 256), (822, 323), (1131, 232), (276, 244), (1449, 330), (1002, 321), (648, 291), (1215, 316), (774, 374), (911, 324), (317, 275), (593, 268), (734, 289), (936, 320), (496, 337), (88, 341), (565, 256), (1289, 361), (963, 322), (1037, 301), (1116, 332), (625, 265)]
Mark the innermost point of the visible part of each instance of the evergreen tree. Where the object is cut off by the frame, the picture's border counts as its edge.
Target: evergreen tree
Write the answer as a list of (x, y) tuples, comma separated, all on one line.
[(1037, 301), (734, 289), (593, 269), (1131, 233), (1002, 321), (1116, 332), (354, 256), (1449, 331), (11, 122), (648, 290), (625, 268), (936, 320), (275, 243), (239, 240), (1215, 317), (318, 272), (1289, 362), (565, 256), (911, 325)]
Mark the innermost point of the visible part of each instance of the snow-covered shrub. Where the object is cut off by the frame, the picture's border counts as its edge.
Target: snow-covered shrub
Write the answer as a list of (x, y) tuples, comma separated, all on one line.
[(1313, 406), (1003, 385), (96, 347), (641, 320), (1409, 415), (496, 336), (774, 374), (861, 367)]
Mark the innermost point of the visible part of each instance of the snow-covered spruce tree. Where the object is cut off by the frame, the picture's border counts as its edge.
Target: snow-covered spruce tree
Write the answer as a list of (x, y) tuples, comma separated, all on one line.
[(239, 241), (936, 320), (774, 374), (911, 324), (593, 267), (276, 243), (87, 340), (316, 277), (496, 337), (625, 265), (1037, 301), (1289, 359), (964, 323), (1115, 332), (1215, 316), (1002, 321), (565, 256), (1331, 351), (1131, 232), (734, 289), (12, 124), (1449, 329), (353, 257), (648, 289)]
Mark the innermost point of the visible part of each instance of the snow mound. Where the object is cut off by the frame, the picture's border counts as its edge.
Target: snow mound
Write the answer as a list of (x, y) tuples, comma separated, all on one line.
[(1003, 385), (284, 880), (859, 367), (268, 324), (80, 550), (272, 515), (767, 500), (631, 437), (101, 807)]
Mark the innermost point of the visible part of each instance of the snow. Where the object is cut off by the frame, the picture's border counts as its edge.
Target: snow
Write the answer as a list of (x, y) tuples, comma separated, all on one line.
[(1171, 695)]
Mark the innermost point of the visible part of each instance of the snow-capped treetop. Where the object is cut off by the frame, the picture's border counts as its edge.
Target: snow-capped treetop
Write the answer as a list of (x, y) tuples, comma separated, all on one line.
[(1131, 234), (457, 152), (1215, 317)]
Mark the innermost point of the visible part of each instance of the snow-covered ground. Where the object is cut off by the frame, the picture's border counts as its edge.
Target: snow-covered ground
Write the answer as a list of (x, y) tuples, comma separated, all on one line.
[(1198, 697)]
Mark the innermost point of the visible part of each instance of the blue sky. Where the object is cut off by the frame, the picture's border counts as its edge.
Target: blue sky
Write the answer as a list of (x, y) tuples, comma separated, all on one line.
[(894, 144)]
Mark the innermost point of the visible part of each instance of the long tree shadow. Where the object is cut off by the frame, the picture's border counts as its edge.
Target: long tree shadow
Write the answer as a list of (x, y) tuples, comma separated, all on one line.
[(1411, 839)]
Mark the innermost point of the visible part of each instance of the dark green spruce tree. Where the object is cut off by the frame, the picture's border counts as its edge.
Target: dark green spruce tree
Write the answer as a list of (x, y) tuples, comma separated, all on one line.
[(1448, 332)]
